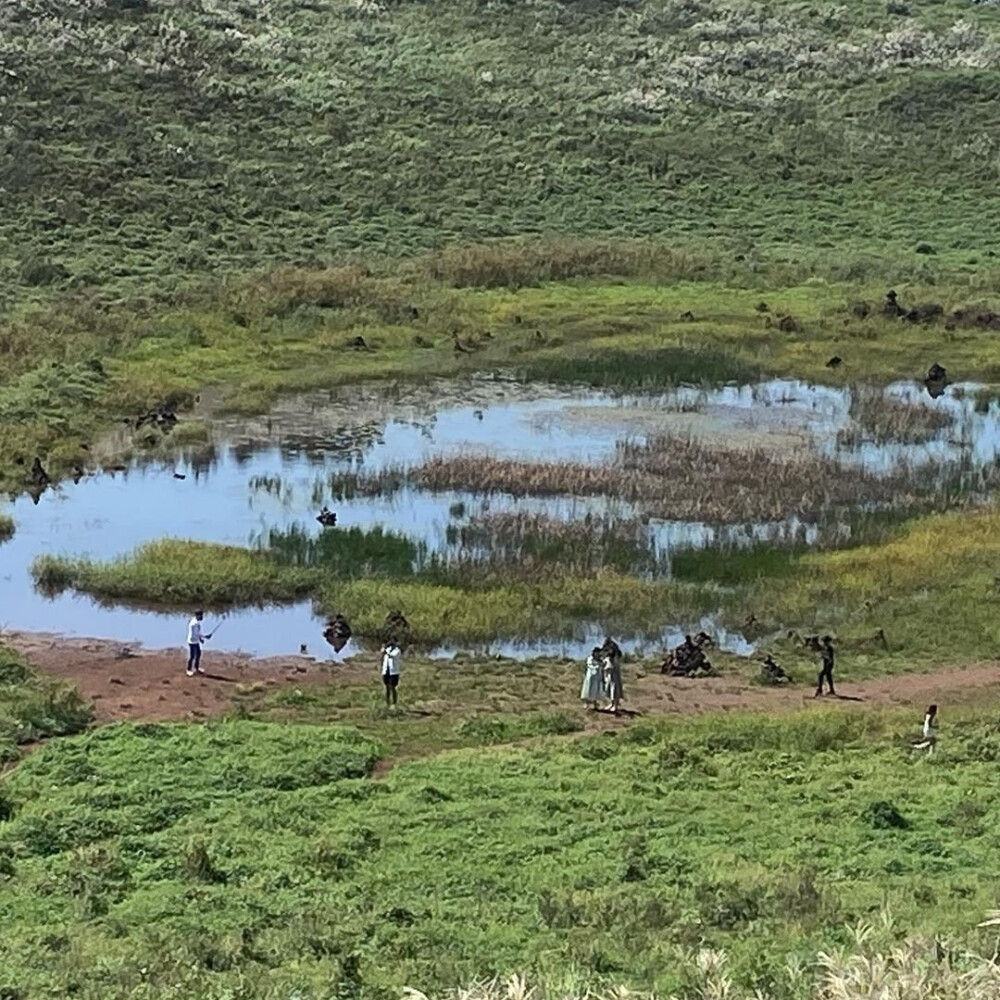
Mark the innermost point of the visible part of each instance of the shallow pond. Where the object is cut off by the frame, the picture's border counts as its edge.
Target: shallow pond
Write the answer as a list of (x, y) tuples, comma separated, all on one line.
[(272, 473)]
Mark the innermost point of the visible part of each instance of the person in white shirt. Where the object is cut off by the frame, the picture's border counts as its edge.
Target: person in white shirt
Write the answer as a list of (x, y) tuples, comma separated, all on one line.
[(195, 639), (930, 731), (391, 655)]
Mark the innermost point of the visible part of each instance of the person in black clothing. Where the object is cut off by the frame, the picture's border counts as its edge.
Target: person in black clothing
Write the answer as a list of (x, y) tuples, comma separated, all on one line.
[(337, 633), (826, 670), (611, 649)]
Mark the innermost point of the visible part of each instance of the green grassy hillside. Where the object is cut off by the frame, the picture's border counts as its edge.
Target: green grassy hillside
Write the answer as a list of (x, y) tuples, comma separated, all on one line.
[(147, 141), (256, 860)]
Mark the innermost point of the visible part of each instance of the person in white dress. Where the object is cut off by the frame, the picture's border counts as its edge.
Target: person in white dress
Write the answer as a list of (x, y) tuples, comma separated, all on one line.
[(592, 690)]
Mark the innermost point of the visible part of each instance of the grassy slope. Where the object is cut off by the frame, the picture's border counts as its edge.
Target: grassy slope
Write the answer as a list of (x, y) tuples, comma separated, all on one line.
[(255, 854), (157, 141)]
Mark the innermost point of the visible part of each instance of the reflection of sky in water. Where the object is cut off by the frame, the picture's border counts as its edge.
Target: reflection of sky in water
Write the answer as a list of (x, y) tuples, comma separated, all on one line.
[(108, 516)]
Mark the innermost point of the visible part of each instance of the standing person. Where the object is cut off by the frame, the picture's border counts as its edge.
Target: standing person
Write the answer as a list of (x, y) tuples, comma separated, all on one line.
[(391, 655), (826, 668), (195, 639), (613, 679), (593, 680), (930, 731), (611, 649)]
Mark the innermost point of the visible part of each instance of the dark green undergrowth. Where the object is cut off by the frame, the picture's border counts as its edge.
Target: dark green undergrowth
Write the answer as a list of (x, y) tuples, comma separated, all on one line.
[(256, 860), (33, 707)]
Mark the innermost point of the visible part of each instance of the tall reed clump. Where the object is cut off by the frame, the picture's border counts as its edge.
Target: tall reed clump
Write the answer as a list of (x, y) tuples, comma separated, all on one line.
[(523, 545), (344, 552)]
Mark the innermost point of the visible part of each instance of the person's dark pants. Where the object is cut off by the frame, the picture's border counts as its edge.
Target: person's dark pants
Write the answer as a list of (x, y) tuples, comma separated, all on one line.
[(194, 655), (391, 682), (826, 673)]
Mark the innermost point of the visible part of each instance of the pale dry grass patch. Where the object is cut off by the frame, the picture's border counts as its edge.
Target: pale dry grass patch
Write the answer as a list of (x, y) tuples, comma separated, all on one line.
[(671, 478), (916, 970)]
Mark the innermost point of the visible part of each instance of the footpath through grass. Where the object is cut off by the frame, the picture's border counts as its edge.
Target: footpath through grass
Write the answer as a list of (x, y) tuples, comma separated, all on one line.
[(255, 859)]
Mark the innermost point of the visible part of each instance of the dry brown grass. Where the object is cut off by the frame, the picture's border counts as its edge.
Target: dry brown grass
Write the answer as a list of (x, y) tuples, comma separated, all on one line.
[(672, 478), (883, 420)]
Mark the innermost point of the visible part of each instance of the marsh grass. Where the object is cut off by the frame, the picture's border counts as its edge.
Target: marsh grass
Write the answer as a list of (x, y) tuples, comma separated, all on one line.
[(672, 478), (881, 419), (347, 553), (730, 566), (174, 572), (930, 584), (250, 349), (643, 370), (538, 545)]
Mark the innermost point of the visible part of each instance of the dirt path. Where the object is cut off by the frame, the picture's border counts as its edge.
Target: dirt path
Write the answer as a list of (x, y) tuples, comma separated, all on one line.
[(151, 685)]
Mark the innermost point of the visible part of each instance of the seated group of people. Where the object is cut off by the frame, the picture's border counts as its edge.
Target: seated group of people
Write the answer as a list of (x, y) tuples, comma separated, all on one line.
[(689, 659), (338, 630)]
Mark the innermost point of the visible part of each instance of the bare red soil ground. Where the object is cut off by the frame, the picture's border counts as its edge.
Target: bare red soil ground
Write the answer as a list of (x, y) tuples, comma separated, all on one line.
[(151, 684)]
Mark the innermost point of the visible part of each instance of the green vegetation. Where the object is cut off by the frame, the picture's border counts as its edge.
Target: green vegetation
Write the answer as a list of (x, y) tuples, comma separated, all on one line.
[(291, 332), (177, 140), (244, 199), (638, 370), (198, 859), (583, 182), (932, 589), (182, 573), (6, 528), (33, 707)]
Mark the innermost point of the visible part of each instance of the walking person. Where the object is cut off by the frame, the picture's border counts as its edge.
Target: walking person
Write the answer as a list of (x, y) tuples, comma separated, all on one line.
[(593, 680), (195, 638), (930, 731), (391, 655), (826, 666)]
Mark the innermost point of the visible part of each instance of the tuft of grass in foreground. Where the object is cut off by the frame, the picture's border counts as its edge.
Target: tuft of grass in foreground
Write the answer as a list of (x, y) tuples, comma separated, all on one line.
[(33, 707), (200, 859)]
